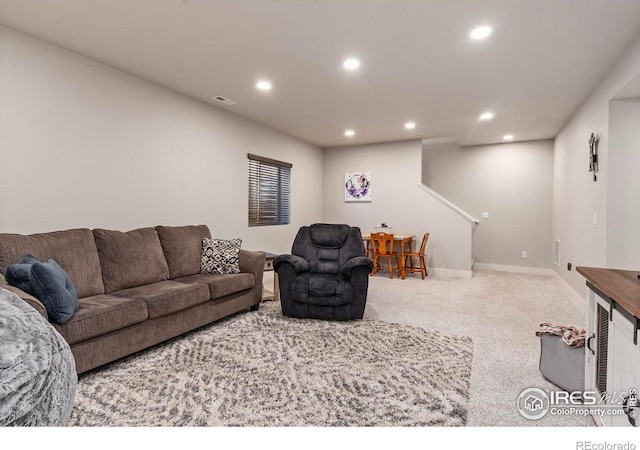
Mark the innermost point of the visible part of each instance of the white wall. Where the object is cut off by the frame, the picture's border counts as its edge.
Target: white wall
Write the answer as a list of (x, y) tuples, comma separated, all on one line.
[(576, 197), (85, 145), (623, 204), (398, 201), (512, 182)]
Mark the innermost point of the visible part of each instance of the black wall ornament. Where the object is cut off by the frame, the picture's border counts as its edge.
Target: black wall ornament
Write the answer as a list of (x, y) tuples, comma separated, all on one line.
[(594, 140)]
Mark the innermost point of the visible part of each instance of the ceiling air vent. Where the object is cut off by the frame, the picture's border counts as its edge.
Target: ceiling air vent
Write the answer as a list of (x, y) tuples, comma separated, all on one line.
[(224, 100)]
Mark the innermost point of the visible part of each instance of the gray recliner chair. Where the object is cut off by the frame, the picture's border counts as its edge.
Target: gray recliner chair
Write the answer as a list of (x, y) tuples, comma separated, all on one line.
[(326, 276)]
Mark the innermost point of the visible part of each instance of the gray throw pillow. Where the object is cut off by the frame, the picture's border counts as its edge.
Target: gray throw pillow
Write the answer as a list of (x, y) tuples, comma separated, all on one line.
[(54, 289), (17, 274), (220, 256)]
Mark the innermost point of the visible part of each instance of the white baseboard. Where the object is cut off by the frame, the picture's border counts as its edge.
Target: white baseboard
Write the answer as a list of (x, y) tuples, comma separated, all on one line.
[(449, 273), (574, 297), (514, 269)]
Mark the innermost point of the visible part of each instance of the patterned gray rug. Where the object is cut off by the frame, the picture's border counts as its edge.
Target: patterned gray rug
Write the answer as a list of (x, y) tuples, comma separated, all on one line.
[(262, 369)]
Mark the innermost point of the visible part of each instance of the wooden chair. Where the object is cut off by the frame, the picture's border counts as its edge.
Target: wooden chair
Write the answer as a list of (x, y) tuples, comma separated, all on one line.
[(368, 249), (382, 247), (409, 259)]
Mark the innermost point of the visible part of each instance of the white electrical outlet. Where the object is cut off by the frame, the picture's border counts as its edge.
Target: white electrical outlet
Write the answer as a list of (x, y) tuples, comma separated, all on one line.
[(525, 255), (485, 215)]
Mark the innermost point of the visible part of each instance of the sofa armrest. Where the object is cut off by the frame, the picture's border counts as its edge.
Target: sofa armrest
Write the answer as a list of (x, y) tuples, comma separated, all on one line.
[(253, 262), (30, 299)]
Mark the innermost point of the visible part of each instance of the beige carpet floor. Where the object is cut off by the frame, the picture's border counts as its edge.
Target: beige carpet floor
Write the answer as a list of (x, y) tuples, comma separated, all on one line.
[(501, 312)]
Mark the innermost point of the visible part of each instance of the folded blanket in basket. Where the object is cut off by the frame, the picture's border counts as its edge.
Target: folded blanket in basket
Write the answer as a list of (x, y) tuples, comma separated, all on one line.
[(572, 336)]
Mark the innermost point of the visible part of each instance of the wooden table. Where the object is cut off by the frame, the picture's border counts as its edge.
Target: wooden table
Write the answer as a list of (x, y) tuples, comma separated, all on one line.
[(404, 240)]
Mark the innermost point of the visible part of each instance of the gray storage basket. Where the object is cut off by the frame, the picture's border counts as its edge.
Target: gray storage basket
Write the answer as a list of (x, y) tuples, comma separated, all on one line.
[(561, 364)]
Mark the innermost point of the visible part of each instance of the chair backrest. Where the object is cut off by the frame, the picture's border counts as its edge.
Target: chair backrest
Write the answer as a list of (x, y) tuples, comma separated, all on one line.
[(424, 243), (382, 243), (327, 247)]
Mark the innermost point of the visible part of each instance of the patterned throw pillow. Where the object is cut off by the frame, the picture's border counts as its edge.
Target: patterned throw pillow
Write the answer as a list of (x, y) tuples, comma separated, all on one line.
[(220, 256)]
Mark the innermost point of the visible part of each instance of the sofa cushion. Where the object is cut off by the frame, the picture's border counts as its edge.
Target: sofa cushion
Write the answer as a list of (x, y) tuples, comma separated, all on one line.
[(130, 259), (222, 284), (182, 247), (53, 287), (101, 314), (167, 297), (75, 251), (220, 256)]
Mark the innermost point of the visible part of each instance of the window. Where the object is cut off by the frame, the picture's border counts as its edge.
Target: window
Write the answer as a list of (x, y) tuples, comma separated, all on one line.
[(269, 186)]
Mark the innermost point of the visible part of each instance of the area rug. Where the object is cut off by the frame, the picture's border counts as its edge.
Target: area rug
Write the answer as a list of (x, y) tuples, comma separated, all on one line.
[(263, 369)]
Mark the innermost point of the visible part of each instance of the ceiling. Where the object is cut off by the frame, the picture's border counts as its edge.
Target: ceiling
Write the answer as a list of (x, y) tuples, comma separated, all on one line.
[(418, 63)]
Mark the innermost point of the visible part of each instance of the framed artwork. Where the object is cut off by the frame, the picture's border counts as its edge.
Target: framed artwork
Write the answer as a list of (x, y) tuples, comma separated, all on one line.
[(357, 187)]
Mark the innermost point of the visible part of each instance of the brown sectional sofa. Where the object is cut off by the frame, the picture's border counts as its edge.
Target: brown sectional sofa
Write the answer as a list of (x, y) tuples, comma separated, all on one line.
[(137, 288)]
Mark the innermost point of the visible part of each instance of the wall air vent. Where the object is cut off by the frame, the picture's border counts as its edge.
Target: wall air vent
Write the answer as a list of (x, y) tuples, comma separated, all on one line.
[(224, 100)]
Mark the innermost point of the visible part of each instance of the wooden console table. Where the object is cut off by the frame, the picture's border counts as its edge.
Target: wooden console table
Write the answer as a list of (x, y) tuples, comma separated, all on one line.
[(612, 359)]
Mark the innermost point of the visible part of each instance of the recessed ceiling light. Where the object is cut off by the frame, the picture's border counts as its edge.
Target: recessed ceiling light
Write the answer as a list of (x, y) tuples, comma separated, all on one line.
[(480, 33), (410, 125), (349, 133), (351, 64), (508, 137), (263, 85), (486, 116)]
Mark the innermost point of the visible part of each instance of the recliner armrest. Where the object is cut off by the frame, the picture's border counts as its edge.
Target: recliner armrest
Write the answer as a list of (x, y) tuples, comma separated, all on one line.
[(358, 261), (299, 264)]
